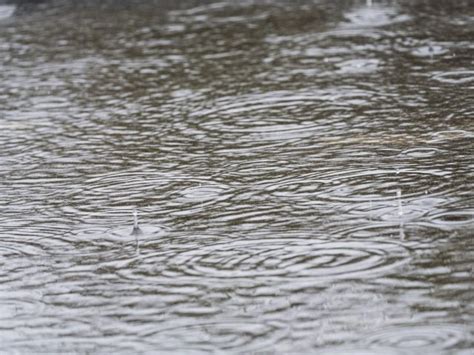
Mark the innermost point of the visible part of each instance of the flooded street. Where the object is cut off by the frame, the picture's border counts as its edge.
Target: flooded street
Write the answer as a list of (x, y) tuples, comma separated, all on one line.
[(303, 173)]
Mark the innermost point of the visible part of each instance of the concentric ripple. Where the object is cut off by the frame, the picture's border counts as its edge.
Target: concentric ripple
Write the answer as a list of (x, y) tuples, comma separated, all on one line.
[(286, 257), (432, 337), (455, 77), (264, 117), (225, 335), (263, 144), (373, 185), (376, 189), (113, 195), (12, 247), (20, 303), (452, 219)]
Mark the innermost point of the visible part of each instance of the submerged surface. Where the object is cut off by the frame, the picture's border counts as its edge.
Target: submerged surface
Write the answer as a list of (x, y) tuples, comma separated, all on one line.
[(303, 172)]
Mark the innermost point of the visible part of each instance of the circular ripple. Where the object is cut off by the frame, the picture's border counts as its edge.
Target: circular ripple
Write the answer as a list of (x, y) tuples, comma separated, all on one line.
[(374, 185), (452, 219), (421, 152), (286, 257), (420, 337), (421, 49), (29, 242), (200, 194), (10, 250), (112, 196), (365, 186), (416, 236), (20, 269), (450, 135), (429, 51), (263, 118), (244, 336), (20, 303), (455, 77), (358, 66)]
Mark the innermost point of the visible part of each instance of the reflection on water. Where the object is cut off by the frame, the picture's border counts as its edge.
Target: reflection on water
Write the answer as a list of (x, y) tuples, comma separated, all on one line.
[(303, 174)]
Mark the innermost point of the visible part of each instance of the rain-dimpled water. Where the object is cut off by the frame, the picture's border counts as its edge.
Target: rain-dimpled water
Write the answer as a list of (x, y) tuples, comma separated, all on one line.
[(250, 177)]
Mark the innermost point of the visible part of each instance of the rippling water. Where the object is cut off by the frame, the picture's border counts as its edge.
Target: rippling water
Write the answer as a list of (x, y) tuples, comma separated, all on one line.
[(302, 171)]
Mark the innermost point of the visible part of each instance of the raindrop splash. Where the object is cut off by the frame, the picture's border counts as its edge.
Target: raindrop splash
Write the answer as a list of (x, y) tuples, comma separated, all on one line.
[(136, 230), (400, 214)]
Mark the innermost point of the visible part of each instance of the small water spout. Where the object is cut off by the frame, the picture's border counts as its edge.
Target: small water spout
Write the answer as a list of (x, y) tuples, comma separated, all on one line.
[(400, 207), (136, 231), (400, 214)]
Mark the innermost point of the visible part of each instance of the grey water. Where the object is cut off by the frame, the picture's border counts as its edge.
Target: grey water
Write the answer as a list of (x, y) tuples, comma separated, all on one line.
[(303, 173)]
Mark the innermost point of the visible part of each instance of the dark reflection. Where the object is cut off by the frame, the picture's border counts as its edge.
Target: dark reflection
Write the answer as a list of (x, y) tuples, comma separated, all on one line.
[(303, 172)]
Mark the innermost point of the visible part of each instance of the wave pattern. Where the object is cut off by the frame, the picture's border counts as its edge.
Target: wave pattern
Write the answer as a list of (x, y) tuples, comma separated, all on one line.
[(293, 258), (302, 173), (429, 337)]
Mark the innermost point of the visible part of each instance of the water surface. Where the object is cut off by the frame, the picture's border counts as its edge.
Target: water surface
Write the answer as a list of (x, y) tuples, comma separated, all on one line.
[(303, 173)]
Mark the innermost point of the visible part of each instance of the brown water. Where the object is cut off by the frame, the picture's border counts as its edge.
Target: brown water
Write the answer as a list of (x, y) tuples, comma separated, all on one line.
[(303, 174)]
